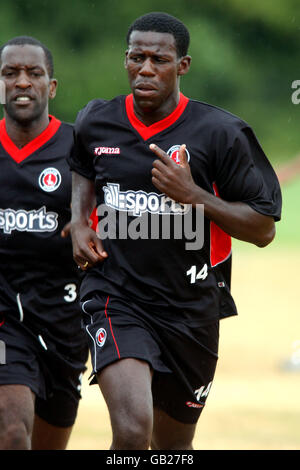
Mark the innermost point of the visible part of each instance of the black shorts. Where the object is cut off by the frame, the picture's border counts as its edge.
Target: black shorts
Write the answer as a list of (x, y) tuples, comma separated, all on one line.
[(45, 346), (183, 358)]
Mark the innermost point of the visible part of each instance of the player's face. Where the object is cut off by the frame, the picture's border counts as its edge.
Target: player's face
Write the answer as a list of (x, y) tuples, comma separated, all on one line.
[(154, 68), (28, 86)]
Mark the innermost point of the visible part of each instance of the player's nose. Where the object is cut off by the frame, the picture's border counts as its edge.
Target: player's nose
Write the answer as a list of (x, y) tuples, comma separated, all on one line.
[(147, 68), (23, 80)]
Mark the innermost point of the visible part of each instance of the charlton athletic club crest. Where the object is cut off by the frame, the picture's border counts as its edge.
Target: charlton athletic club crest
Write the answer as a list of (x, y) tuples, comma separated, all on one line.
[(173, 153), (50, 179), (101, 337)]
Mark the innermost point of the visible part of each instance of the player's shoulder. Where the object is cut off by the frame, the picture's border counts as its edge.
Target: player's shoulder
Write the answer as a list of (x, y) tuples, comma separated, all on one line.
[(67, 128), (97, 108), (218, 118), (64, 137)]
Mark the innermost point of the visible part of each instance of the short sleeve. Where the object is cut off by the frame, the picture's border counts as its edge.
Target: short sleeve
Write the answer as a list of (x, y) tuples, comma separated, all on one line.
[(244, 173), (79, 159)]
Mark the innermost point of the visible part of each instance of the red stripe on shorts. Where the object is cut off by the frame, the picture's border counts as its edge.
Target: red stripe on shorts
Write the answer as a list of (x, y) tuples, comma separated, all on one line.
[(111, 328)]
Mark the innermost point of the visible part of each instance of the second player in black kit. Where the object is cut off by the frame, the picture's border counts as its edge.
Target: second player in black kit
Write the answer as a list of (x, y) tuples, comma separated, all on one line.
[(45, 350), (154, 299), (36, 271)]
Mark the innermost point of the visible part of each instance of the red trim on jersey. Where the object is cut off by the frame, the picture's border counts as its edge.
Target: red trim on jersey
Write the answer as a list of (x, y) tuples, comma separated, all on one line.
[(149, 131), (20, 154), (94, 219), (2, 319), (220, 241), (105, 310)]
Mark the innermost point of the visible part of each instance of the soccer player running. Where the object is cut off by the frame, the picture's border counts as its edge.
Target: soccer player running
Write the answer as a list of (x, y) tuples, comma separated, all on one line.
[(44, 348), (152, 306)]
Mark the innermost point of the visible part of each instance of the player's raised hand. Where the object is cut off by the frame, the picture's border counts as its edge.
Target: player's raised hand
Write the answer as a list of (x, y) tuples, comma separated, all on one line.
[(175, 180)]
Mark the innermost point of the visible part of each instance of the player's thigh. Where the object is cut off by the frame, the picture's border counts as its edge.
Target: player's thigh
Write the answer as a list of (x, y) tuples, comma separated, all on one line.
[(126, 388), (170, 434), (19, 376), (16, 411)]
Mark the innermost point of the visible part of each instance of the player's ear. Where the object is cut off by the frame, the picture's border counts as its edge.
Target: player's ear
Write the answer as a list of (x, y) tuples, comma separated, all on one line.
[(126, 59), (184, 64), (52, 88)]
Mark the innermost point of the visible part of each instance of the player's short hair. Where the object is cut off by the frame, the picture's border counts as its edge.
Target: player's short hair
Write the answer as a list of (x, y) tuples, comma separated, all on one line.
[(28, 40), (160, 22)]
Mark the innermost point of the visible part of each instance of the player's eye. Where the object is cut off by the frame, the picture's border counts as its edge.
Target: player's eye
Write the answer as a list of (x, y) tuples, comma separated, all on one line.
[(36, 73), (7, 73), (160, 60), (136, 58)]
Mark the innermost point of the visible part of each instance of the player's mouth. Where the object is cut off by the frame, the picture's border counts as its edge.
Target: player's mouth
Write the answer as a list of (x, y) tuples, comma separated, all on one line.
[(145, 89), (22, 100)]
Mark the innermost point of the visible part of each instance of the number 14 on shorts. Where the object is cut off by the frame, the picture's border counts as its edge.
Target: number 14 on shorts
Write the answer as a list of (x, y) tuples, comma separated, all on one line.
[(200, 275)]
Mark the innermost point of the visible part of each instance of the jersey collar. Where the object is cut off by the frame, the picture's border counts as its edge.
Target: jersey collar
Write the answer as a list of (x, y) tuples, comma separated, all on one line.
[(149, 131), (20, 154)]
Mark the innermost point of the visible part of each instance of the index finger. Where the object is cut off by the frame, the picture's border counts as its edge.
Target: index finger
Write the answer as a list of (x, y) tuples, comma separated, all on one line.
[(161, 154)]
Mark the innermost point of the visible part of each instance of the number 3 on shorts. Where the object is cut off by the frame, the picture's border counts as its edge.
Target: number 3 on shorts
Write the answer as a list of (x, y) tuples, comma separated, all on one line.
[(72, 292)]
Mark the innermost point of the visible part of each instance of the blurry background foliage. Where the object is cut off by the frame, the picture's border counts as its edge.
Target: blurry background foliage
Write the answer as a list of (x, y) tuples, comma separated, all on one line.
[(245, 55)]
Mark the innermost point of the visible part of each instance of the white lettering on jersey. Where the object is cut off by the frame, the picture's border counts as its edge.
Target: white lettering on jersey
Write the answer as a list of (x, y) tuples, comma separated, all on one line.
[(28, 221), (139, 202), (107, 151)]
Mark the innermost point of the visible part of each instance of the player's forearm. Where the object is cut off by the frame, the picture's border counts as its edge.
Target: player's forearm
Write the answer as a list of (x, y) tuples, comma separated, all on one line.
[(83, 199), (236, 218)]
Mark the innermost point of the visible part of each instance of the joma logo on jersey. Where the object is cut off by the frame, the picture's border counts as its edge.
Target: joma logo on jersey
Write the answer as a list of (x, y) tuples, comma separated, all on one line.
[(107, 151), (28, 221), (139, 202)]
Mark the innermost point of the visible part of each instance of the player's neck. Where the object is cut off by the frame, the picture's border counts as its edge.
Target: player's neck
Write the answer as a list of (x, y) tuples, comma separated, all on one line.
[(150, 116), (23, 133)]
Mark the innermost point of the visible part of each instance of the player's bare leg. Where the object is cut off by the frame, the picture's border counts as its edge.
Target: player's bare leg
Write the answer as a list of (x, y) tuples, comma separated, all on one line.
[(170, 434), (16, 417), (126, 387), (45, 436)]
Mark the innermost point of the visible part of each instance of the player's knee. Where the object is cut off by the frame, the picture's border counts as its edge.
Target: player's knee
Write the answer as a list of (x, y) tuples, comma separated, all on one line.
[(15, 429), (15, 436), (133, 433)]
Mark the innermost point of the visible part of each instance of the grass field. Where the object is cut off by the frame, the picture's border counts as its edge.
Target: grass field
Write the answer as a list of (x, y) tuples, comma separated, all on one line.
[(254, 403)]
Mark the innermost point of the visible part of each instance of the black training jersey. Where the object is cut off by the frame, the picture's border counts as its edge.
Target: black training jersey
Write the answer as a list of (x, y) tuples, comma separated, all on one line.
[(112, 148), (35, 199)]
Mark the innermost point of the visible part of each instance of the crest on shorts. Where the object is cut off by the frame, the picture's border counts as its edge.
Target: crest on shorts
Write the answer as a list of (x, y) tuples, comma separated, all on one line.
[(101, 337), (173, 153), (50, 179)]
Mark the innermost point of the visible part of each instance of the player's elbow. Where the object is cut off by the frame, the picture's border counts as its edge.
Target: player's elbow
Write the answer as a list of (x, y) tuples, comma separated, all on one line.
[(266, 237)]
